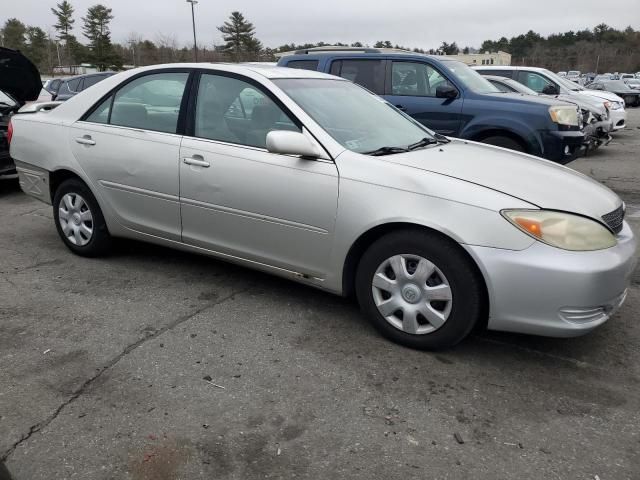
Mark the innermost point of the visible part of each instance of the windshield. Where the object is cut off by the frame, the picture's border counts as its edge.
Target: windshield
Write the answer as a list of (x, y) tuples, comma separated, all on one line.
[(568, 84), (469, 77), (355, 118)]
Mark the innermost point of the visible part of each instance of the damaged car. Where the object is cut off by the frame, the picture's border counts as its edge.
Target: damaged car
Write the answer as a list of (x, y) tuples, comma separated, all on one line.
[(19, 83), (594, 117)]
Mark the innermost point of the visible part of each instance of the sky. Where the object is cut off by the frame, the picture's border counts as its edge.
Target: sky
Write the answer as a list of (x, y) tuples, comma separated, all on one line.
[(411, 23)]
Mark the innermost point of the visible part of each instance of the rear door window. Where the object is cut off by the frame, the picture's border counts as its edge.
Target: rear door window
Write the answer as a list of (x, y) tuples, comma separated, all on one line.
[(73, 85), (151, 102), (89, 81), (365, 72), (303, 64)]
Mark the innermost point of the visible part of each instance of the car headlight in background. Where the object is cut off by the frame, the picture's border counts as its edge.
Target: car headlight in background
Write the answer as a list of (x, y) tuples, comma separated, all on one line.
[(564, 115), (562, 230), (617, 105)]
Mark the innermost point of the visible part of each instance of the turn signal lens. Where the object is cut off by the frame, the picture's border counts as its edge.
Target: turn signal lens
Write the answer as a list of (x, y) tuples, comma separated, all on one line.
[(562, 230), (532, 227)]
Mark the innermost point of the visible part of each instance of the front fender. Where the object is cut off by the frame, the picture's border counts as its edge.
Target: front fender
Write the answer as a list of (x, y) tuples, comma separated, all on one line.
[(492, 125)]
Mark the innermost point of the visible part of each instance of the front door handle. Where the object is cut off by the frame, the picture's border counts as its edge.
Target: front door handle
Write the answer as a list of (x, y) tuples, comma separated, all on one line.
[(199, 162), (85, 140)]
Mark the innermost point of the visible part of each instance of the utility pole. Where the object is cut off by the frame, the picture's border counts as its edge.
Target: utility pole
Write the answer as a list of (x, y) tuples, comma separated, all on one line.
[(193, 20)]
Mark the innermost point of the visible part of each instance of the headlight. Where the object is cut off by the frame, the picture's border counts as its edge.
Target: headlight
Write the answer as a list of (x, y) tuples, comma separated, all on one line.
[(616, 105), (562, 230), (564, 115)]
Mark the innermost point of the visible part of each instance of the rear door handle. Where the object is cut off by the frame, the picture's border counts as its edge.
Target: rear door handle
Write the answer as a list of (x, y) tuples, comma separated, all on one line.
[(199, 162), (86, 140)]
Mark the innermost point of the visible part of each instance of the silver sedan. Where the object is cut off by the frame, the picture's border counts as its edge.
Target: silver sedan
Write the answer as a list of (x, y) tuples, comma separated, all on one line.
[(311, 177)]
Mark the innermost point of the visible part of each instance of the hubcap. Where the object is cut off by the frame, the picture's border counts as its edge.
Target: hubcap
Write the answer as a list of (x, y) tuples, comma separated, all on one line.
[(75, 219), (412, 294)]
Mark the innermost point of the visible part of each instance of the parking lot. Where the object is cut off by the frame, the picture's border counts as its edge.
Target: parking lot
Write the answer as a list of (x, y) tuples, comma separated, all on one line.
[(156, 364)]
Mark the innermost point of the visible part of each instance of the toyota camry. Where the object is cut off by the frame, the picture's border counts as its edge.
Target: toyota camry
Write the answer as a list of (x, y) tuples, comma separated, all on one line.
[(311, 177)]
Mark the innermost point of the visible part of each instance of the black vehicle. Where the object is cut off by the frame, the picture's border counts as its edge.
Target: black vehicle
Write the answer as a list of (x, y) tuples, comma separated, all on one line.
[(630, 96), (19, 83), (69, 87)]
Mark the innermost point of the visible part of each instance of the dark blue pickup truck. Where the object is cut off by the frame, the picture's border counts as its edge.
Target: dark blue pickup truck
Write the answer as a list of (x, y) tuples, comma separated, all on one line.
[(452, 99)]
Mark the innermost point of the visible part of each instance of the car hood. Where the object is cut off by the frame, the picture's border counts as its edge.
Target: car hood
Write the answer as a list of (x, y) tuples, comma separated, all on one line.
[(515, 97), (612, 97), (540, 182), (18, 76), (585, 102)]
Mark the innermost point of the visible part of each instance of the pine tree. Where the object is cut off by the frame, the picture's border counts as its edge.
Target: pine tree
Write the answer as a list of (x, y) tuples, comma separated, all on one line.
[(239, 35), (13, 34), (64, 25), (96, 29), (37, 47)]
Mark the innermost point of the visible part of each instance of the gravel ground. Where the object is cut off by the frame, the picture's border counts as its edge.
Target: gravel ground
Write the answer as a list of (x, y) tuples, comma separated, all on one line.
[(155, 364)]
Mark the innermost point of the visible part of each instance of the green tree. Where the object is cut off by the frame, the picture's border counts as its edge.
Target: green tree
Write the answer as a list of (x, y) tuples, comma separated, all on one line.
[(64, 25), (14, 34), (37, 48), (239, 37), (96, 29), (65, 20), (449, 48)]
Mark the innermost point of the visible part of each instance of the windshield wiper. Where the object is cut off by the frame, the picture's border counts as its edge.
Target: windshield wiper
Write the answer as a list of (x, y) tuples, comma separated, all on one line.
[(426, 141), (441, 138), (386, 151)]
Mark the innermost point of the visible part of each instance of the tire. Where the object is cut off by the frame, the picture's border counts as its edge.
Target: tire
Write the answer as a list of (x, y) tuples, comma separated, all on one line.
[(83, 233), (456, 317), (504, 142)]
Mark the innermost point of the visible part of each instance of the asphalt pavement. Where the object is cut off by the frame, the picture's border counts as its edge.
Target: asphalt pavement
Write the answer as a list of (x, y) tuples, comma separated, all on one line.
[(153, 364)]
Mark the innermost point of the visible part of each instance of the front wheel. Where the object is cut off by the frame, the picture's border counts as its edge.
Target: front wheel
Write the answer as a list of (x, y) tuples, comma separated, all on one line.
[(79, 220), (420, 290)]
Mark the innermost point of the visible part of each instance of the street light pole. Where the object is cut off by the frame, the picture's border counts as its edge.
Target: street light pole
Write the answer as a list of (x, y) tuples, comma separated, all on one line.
[(193, 20)]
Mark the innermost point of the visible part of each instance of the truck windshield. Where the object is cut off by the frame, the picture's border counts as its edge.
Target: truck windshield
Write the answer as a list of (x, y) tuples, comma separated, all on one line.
[(469, 77), (355, 118)]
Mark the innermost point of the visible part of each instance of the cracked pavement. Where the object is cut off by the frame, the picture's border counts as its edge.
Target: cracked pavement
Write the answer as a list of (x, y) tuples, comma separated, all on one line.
[(157, 364)]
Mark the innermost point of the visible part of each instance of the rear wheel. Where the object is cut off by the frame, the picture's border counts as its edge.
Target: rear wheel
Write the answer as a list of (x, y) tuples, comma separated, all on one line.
[(420, 290), (504, 142), (79, 220)]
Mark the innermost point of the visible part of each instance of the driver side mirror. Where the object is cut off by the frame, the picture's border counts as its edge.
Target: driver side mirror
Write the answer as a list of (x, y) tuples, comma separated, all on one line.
[(444, 90), (550, 89), (286, 142)]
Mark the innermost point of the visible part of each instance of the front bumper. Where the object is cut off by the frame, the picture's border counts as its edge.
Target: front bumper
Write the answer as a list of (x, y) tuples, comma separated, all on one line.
[(563, 146), (597, 134), (544, 290), (618, 118)]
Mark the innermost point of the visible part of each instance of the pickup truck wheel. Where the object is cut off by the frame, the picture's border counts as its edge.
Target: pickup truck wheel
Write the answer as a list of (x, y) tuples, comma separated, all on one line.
[(504, 142), (79, 220), (419, 289)]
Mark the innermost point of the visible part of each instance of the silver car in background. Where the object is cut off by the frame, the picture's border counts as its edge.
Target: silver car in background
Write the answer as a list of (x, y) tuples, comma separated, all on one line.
[(311, 177)]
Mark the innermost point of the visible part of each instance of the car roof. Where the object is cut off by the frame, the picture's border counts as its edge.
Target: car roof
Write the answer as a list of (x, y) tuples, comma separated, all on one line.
[(264, 70)]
